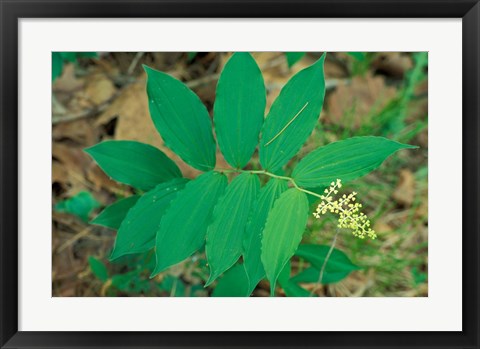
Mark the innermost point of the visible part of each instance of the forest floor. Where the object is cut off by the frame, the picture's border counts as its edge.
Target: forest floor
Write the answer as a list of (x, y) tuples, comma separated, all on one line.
[(380, 94)]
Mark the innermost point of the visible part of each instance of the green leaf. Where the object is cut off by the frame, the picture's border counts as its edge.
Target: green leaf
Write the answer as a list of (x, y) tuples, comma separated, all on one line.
[(126, 282), (345, 160), (87, 54), (359, 56), (191, 55), (252, 244), (292, 116), (290, 288), (293, 290), (137, 164), (338, 265), (57, 65), (113, 215), (283, 232), (226, 232), (234, 283), (239, 108), (284, 275), (69, 56), (79, 205), (183, 229), (293, 57), (139, 228), (181, 119), (98, 268)]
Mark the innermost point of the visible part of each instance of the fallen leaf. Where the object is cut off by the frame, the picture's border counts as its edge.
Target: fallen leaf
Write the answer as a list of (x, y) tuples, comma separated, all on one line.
[(74, 161), (394, 64), (99, 88), (404, 193), (80, 131), (68, 82), (350, 105)]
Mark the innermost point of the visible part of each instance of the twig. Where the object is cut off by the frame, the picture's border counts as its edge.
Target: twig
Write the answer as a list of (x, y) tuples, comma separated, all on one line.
[(202, 81), (58, 118), (329, 84), (134, 63), (75, 238), (320, 277), (105, 287)]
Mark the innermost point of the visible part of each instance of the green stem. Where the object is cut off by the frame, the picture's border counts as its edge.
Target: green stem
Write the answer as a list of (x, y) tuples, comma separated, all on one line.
[(324, 265), (289, 179)]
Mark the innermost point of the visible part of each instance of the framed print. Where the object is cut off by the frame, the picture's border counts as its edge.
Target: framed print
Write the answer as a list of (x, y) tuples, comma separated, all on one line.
[(239, 174)]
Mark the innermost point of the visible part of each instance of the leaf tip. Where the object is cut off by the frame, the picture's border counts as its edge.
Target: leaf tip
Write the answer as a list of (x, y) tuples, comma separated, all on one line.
[(407, 146), (410, 146), (112, 258), (88, 150), (115, 255), (213, 276), (94, 220), (146, 68), (154, 273)]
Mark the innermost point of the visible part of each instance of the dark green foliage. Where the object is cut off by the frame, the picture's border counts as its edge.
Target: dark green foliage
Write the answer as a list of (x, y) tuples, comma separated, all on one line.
[(183, 229), (98, 269), (252, 243), (293, 57), (239, 109), (113, 215), (292, 117), (176, 217), (80, 205), (181, 119), (139, 228), (137, 164), (226, 233)]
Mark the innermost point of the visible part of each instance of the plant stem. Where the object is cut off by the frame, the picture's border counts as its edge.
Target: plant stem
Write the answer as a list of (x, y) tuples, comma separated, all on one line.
[(289, 179), (324, 265), (295, 185)]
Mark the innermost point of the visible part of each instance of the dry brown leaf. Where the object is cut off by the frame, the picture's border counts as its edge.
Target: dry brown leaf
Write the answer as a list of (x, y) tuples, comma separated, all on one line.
[(382, 227), (404, 194), (99, 88), (71, 157), (394, 64), (349, 105), (59, 173), (422, 210), (68, 82), (74, 161), (131, 110), (334, 70), (80, 131)]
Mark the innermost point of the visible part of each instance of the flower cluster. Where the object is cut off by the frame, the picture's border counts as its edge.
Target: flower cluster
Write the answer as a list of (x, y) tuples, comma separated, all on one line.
[(349, 215)]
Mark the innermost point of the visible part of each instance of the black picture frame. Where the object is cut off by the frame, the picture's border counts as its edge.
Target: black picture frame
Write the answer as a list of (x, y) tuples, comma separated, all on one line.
[(12, 11)]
